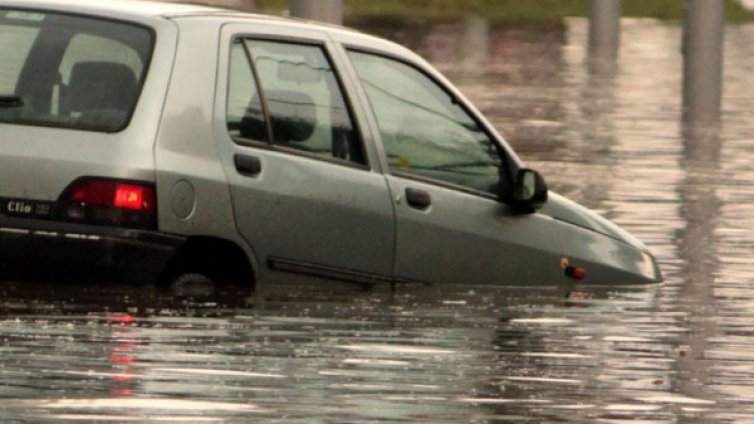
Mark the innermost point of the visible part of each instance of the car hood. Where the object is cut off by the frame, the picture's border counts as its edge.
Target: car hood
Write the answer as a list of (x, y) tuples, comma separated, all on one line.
[(562, 209)]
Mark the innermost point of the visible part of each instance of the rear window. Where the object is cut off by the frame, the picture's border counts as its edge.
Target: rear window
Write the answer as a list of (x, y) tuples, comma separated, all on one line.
[(70, 71)]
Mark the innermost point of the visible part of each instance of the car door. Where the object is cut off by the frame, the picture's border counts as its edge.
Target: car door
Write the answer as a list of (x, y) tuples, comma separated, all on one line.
[(305, 194), (446, 174)]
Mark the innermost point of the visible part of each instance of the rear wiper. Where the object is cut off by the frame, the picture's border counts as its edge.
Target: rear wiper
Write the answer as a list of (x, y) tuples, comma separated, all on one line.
[(10, 100)]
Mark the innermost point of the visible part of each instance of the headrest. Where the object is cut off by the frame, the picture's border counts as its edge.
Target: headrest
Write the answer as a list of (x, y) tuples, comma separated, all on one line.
[(100, 86), (293, 116)]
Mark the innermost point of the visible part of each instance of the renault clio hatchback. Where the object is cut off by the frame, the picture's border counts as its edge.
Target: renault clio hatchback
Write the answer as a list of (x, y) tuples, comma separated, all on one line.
[(160, 141)]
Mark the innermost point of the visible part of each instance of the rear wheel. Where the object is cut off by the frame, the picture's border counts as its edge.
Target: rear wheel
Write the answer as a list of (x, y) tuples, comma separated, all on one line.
[(193, 285), (206, 265)]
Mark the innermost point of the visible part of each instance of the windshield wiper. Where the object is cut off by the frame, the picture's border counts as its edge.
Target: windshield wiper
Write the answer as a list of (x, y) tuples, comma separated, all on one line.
[(10, 101)]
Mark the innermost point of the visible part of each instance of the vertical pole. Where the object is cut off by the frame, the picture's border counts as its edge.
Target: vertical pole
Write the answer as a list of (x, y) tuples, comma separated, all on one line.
[(475, 44), (319, 10), (703, 60), (604, 29)]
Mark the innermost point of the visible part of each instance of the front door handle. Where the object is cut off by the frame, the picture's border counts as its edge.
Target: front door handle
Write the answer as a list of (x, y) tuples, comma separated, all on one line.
[(418, 199), (248, 166)]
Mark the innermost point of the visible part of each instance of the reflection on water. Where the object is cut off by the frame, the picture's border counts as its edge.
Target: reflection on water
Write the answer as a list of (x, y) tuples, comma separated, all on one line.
[(677, 352)]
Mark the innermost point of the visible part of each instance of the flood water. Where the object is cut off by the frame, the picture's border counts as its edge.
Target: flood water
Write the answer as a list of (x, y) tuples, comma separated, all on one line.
[(679, 352)]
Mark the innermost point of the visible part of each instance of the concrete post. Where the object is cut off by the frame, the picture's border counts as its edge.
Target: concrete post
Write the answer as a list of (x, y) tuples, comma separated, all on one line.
[(319, 10), (604, 29), (475, 44), (703, 60)]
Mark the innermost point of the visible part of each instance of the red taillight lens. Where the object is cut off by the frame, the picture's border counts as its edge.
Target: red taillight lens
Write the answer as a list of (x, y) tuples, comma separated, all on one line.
[(137, 197), (110, 202), (107, 193), (93, 192)]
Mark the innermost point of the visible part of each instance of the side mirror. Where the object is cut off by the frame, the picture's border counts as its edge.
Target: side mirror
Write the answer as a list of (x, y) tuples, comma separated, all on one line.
[(529, 190)]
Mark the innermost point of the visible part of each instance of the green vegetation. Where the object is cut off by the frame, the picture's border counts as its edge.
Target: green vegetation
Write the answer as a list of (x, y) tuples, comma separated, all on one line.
[(509, 10)]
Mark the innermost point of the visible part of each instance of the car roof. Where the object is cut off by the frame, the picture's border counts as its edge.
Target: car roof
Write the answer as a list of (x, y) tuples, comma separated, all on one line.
[(145, 9), (148, 9), (128, 7)]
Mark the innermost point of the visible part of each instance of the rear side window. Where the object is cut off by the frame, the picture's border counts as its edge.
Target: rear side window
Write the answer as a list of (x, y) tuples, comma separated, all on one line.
[(70, 71), (287, 94)]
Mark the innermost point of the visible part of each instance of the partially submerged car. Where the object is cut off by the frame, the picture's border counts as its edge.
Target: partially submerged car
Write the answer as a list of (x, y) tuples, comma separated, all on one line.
[(160, 141)]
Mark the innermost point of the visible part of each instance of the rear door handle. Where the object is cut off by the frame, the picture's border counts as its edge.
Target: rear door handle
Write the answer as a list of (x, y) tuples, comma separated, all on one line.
[(248, 166), (418, 199)]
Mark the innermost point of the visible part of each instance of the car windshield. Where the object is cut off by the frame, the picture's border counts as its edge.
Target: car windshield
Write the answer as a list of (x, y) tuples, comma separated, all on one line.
[(70, 71)]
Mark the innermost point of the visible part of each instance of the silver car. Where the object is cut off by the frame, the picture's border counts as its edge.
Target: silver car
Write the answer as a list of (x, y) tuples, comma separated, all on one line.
[(160, 142)]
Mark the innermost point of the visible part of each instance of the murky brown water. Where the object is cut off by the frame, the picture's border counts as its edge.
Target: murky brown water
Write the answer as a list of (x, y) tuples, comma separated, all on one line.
[(682, 351)]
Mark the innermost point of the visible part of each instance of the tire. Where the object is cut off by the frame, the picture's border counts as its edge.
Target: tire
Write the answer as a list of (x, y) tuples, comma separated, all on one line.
[(193, 284)]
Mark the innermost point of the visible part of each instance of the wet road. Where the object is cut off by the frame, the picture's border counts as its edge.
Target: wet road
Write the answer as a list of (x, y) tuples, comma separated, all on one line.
[(670, 353)]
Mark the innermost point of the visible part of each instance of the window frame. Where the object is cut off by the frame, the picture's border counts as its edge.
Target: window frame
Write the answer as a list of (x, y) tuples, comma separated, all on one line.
[(506, 161), (269, 144), (141, 79)]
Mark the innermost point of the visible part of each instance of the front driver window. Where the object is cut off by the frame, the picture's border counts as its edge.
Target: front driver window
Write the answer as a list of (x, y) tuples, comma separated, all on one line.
[(425, 133)]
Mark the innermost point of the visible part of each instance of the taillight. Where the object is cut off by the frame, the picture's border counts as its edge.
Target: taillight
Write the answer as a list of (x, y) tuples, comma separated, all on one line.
[(103, 201), (136, 197)]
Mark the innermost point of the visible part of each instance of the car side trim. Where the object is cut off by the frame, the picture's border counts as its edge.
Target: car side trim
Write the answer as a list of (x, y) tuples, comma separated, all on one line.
[(316, 270), (297, 267)]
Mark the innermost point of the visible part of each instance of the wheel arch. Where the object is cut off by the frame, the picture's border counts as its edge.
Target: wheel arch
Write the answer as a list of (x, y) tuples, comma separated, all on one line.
[(221, 259)]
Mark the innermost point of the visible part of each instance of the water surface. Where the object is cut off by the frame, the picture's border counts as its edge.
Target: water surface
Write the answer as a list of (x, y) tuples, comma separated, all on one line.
[(681, 351)]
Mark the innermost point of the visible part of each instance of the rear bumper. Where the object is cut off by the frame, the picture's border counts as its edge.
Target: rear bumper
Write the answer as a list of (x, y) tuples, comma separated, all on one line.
[(44, 249)]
